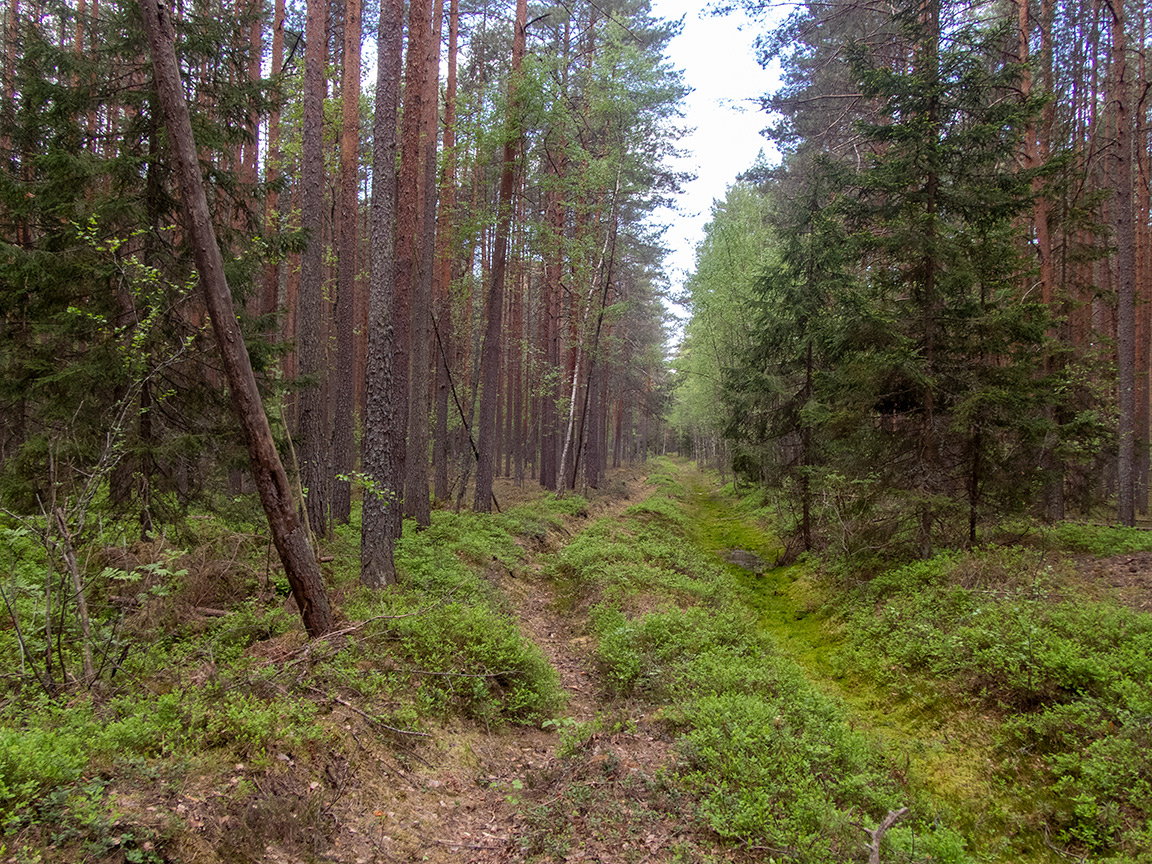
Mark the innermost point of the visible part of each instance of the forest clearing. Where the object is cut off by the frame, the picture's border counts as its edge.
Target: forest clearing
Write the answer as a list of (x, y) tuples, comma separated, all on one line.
[(373, 489)]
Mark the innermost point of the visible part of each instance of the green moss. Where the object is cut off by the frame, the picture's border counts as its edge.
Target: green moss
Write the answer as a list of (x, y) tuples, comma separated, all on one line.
[(770, 759)]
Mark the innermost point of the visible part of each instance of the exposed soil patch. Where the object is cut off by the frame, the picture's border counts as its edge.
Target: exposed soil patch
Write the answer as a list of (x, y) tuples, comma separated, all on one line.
[(1127, 578)]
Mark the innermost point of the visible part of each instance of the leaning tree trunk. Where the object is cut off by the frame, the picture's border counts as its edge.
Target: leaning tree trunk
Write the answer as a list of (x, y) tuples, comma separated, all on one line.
[(271, 480)]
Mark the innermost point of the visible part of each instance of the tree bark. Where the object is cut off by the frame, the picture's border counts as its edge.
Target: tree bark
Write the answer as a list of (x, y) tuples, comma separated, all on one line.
[(346, 245), (271, 480), (311, 327), (383, 425), (489, 433), (1126, 267), (416, 501), (272, 169), (443, 288)]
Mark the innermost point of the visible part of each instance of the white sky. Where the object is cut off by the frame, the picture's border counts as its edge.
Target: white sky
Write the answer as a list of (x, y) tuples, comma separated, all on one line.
[(718, 63)]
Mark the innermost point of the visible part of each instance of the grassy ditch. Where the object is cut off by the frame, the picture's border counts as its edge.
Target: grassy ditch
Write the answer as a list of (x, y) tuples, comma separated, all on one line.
[(214, 726), (771, 761), (1014, 694)]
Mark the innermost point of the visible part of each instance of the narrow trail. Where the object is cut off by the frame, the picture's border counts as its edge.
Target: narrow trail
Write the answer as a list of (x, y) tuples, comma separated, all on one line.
[(511, 795), (473, 802), (602, 781)]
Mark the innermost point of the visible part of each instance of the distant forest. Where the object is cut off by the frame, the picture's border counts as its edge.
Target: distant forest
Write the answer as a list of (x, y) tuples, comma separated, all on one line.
[(441, 275)]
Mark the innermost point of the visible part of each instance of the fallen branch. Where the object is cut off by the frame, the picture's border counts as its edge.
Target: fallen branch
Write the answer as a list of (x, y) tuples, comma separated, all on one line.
[(456, 845), (369, 717), (877, 833), (461, 674), (1059, 851), (302, 654)]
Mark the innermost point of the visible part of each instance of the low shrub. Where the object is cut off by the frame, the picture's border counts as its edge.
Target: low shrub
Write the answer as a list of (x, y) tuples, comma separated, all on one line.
[(1069, 676)]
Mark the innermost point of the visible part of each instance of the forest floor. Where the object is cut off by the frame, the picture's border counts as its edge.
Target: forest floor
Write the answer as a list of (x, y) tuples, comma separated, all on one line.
[(490, 795), (711, 706)]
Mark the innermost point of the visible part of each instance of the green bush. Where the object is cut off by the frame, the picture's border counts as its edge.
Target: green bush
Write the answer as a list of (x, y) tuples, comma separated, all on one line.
[(772, 761), (34, 761), (479, 664), (782, 772)]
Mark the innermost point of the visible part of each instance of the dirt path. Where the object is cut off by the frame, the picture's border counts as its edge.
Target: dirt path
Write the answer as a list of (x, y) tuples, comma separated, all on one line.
[(486, 795)]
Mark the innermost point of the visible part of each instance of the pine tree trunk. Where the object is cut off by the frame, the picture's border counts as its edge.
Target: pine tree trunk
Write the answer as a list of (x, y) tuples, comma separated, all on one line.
[(271, 294), (1144, 290), (1126, 266), (441, 451), (311, 327), (416, 501), (346, 246), (409, 244), (383, 434), (488, 431), (289, 536)]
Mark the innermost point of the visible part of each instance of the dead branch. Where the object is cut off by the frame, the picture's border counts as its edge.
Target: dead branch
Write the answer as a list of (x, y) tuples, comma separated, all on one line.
[(877, 833), (459, 845), (373, 720), (461, 674)]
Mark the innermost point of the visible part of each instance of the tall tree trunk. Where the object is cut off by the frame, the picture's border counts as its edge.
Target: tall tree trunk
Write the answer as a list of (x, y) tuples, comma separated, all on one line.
[(443, 288), (927, 457), (311, 327), (518, 428), (488, 431), (550, 329), (1144, 286), (408, 207), (272, 168), (383, 426), (1126, 265), (416, 502), (290, 538), (346, 245)]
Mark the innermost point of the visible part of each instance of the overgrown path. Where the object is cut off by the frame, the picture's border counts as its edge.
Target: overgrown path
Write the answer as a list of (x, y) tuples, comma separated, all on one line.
[(594, 784), (711, 712), (485, 796)]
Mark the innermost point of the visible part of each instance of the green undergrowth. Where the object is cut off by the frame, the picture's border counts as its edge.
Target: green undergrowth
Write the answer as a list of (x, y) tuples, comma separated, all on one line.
[(1097, 539), (771, 760), (1068, 679), (1018, 702), (182, 696)]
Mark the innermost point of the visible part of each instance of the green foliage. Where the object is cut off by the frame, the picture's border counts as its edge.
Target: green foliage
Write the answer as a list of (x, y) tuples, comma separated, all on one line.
[(735, 249), (886, 377), (448, 623), (101, 361), (771, 759), (783, 772), (34, 761), (1098, 539), (1069, 676)]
